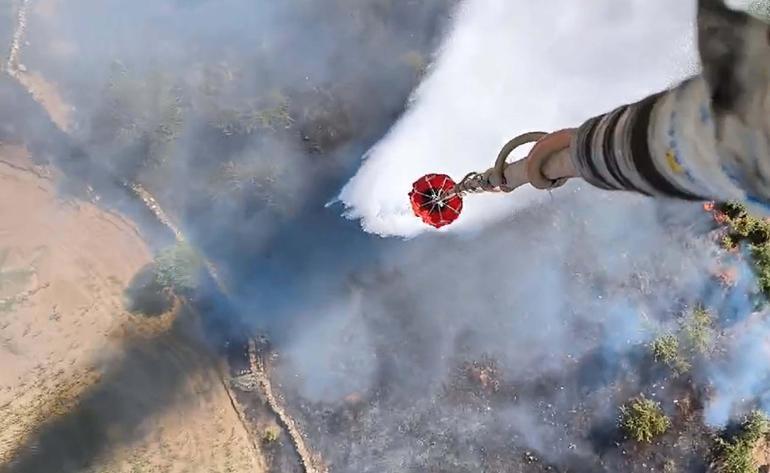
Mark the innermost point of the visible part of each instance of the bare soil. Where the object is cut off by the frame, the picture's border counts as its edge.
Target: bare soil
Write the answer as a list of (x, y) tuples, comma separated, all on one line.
[(84, 385)]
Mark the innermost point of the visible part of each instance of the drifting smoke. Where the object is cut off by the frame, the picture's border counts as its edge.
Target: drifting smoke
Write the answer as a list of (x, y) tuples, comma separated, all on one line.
[(242, 119), (384, 343), (560, 299), (523, 302)]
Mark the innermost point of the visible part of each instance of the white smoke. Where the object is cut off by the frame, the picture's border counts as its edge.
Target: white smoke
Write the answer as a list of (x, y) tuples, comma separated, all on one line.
[(510, 66)]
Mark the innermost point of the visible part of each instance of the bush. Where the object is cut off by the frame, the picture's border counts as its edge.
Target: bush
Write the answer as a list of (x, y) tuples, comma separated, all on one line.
[(271, 434), (178, 268), (727, 242), (665, 349), (760, 255), (698, 332), (734, 454), (643, 419), (754, 427), (694, 338)]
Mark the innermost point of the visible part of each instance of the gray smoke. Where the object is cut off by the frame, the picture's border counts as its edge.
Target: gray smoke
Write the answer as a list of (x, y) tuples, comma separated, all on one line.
[(559, 300), (505, 349)]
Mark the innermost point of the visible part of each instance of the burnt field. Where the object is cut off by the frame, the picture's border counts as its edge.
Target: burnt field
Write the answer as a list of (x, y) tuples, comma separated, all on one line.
[(535, 387)]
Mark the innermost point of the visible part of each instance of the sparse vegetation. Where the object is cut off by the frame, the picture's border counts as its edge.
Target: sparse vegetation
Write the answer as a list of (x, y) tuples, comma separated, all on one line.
[(13, 282), (6, 305), (643, 420), (253, 178), (12, 277), (695, 337), (247, 120), (178, 268), (140, 119), (734, 454)]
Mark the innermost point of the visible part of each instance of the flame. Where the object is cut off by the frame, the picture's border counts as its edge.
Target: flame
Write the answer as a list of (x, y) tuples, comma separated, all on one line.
[(728, 276), (719, 217)]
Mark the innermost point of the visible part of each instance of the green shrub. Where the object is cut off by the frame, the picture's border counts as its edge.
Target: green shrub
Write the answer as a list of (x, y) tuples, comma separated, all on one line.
[(178, 268), (695, 337), (761, 258), (666, 350), (727, 242), (734, 454), (271, 434), (698, 332), (643, 420)]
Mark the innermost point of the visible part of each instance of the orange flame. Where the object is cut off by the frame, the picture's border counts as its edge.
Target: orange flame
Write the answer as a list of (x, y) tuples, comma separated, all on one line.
[(728, 276)]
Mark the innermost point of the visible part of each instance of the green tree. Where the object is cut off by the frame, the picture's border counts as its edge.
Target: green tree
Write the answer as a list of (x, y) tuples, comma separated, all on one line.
[(643, 419)]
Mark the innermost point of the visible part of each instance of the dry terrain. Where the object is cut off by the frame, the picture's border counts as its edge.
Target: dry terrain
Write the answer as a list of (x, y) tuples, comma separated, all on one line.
[(84, 385)]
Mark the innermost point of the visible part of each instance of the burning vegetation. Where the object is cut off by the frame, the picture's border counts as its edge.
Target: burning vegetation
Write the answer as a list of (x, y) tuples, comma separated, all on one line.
[(743, 230)]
